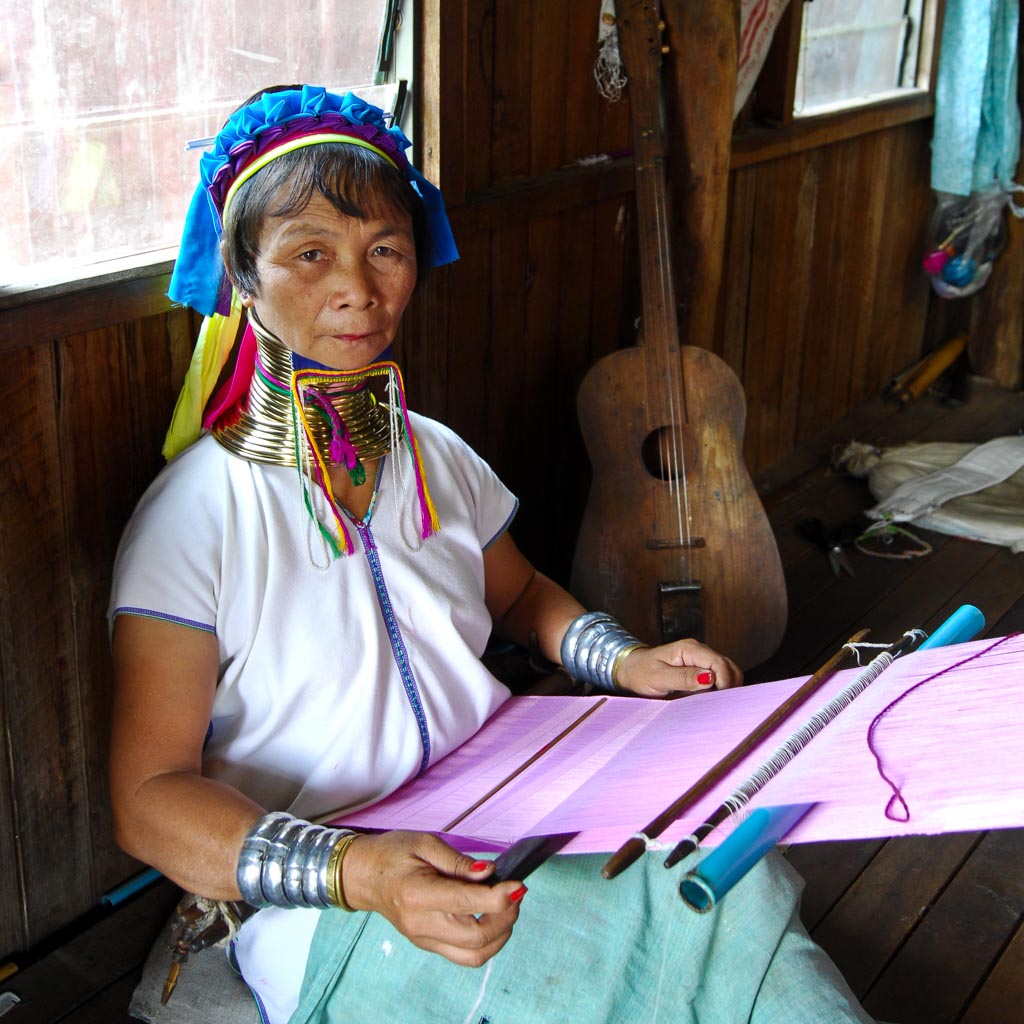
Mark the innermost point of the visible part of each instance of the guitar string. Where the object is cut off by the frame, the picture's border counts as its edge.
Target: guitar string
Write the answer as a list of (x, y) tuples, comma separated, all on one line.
[(678, 435), (667, 447), (675, 473), (679, 489)]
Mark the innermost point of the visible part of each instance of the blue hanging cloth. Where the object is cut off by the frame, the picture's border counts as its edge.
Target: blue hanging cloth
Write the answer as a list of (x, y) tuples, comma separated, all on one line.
[(976, 141)]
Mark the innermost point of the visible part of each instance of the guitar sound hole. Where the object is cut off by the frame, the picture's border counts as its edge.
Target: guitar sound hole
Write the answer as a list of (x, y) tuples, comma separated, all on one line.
[(662, 453)]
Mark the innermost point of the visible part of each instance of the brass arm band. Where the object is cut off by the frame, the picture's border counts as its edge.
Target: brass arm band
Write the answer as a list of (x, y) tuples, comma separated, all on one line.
[(621, 657), (335, 883)]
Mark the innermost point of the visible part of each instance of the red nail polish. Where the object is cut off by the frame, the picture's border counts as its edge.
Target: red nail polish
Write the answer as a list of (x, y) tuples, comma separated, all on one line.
[(479, 865), (518, 894), (706, 678)]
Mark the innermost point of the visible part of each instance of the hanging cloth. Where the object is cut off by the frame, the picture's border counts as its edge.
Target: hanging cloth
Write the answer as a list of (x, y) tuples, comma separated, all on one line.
[(977, 121), (758, 21)]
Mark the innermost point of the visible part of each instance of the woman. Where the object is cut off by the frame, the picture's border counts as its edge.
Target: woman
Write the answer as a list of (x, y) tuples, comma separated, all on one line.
[(300, 604)]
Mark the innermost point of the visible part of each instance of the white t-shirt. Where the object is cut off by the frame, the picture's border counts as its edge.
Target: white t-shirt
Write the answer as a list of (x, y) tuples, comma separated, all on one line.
[(340, 678), (334, 677)]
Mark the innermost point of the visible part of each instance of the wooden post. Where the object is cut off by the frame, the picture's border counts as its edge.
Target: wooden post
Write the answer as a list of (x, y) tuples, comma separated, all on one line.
[(996, 333), (700, 88)]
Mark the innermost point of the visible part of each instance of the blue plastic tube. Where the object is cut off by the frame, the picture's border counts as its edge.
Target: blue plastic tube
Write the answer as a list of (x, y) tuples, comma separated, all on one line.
[(128, 889), (963, 625), (721, 869)]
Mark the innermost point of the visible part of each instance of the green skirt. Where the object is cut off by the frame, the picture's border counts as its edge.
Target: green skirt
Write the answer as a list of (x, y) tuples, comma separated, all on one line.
[(589, 950)]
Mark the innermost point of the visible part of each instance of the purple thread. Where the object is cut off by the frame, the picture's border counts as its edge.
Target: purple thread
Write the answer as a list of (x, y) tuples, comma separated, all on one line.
[(897, 795), (340, 447)]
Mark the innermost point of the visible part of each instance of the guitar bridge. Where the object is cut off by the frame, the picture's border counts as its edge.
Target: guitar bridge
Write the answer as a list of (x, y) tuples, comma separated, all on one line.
[(681, 610), (661, 544)]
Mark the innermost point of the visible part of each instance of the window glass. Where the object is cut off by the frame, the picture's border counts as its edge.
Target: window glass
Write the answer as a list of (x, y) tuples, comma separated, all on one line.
[(98, 99), (856, 51)]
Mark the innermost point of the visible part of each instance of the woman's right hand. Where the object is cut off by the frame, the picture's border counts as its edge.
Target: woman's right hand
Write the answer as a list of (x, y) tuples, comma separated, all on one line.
[(432, 894)]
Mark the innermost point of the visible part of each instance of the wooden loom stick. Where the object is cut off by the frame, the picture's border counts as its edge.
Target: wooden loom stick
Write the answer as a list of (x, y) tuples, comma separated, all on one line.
[(635, 847), (526, 764), (796, 742)]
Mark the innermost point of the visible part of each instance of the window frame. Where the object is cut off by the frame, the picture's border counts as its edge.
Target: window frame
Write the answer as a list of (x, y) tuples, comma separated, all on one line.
[(768, 128)]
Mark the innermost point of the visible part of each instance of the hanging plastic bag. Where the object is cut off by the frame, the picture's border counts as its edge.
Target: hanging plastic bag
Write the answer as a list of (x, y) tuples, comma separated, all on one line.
[(966, 234)]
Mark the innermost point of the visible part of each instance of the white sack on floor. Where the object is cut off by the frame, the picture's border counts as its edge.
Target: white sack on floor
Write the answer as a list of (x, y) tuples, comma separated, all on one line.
[(974, 491)]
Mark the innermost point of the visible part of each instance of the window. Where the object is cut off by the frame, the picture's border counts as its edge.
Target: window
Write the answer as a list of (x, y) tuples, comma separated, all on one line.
[(857, 51), (834, 62), (98, 99)]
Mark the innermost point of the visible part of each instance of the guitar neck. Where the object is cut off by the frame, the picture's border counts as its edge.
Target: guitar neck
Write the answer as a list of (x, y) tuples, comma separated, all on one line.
[(640, 42)]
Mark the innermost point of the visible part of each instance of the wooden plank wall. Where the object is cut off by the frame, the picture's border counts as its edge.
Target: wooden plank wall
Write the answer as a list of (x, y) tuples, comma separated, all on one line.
[(823, 299), (82, 420), (821, 302)]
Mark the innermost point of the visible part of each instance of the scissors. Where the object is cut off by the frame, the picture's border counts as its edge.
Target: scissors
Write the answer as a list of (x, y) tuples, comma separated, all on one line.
[(831, 541)]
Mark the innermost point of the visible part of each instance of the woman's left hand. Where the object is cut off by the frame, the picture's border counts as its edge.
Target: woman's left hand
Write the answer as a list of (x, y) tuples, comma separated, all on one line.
[(684, 666)]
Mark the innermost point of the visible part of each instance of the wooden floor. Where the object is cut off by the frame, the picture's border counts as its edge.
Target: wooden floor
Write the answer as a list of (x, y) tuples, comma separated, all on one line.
[(926, 930)]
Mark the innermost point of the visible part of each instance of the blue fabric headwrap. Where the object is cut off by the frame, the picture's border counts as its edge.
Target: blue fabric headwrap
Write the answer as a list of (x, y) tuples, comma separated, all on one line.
[(198, 279)]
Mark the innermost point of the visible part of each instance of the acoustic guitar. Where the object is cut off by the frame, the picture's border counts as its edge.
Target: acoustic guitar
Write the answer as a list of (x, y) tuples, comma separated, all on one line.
[(674, 540)]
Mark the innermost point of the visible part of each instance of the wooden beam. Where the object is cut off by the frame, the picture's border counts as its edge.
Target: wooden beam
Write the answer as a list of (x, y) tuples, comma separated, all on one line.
[(541, 196), (699, 84), (759, 145), (439, 121), (60, 316)]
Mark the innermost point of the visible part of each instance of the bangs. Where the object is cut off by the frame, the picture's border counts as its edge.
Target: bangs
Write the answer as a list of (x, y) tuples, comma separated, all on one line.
[(355, 181)]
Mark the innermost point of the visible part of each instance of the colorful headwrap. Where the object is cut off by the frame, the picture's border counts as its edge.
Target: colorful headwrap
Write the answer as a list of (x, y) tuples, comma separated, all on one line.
[(276, 123), (256, 133)]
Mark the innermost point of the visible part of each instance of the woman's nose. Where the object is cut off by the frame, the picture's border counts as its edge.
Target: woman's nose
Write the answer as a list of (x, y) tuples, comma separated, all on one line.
[(351, 285)]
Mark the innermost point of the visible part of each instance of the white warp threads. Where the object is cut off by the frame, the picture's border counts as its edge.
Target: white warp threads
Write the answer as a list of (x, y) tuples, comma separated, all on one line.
[(471, 1017), (650, 845), (778, 760), (855, 649)]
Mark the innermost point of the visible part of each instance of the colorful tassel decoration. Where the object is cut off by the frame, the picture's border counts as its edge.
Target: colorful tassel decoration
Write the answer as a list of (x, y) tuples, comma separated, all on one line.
[(305, 388), (216, 339)]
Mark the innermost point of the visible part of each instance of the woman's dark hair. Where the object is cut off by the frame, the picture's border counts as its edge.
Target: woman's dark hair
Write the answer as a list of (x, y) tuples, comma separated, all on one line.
[(355, 181)]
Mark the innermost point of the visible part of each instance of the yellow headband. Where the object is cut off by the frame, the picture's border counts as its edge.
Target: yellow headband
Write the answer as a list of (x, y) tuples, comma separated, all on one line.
[(290, 146)]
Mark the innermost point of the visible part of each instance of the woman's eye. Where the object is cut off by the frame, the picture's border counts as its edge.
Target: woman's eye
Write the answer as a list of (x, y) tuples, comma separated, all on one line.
[(311, 255), (383, 250)]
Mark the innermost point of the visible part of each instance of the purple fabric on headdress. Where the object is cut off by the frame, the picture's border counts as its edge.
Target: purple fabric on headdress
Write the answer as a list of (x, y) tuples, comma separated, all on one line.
[(247, 150)]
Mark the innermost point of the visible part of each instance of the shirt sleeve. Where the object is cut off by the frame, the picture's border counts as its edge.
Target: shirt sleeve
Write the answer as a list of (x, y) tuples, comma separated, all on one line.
[(169, 559), (494, 506)]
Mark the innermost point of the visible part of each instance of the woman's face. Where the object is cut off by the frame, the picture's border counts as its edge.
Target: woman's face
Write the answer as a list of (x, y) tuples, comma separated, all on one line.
[(333, 288)]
